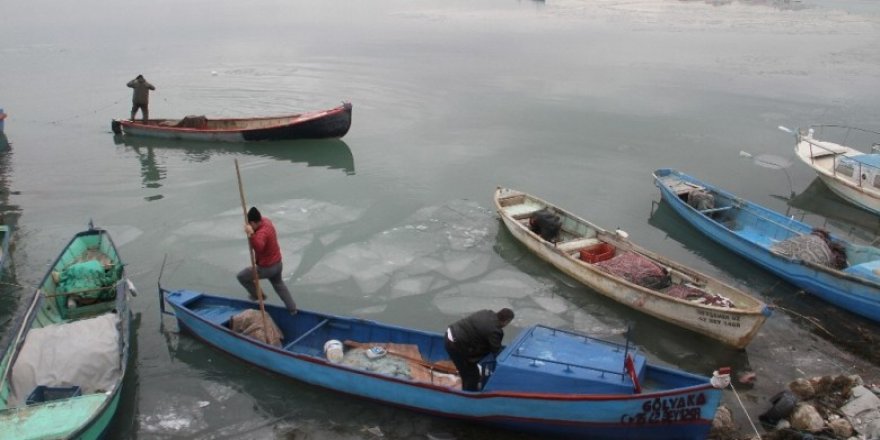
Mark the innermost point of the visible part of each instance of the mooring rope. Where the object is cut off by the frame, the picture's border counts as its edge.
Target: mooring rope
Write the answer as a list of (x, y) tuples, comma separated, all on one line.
[(754, 428)]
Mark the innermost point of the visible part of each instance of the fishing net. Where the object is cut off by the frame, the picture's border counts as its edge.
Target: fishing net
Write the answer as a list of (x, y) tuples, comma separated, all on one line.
[(402, 361), (697, 295), (250, 323), (812, 248), (637, 269), (89, 278), (701, 199)]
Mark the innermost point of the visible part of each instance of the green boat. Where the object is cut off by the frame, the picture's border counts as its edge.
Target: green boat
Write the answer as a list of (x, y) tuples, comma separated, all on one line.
[(66, 356)]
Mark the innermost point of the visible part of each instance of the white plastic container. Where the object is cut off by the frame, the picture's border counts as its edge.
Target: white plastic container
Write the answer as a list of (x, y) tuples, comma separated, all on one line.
[(333, 351)]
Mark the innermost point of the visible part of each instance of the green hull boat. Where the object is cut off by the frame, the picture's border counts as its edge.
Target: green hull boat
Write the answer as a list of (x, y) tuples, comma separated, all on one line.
[(66, 356)]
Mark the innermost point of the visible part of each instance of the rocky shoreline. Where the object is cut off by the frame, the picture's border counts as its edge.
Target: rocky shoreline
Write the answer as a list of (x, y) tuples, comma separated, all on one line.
[(818, 408)]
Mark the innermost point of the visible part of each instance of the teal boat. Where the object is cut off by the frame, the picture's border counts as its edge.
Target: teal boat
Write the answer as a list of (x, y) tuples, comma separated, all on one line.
[(66, 355)]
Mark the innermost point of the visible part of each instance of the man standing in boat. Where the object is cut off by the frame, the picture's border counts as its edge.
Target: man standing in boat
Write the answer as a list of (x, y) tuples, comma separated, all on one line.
[(267, 253), (470, 339), (140, 97)]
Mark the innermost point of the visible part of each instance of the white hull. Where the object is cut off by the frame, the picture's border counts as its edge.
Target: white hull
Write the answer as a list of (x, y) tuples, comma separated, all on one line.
[(733, 326)]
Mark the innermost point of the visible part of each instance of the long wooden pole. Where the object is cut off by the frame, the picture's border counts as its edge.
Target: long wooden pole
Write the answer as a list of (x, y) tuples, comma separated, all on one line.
[(253, 258)]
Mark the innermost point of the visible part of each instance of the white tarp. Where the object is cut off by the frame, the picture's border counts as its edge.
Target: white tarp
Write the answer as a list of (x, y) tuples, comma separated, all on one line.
[(82, 353)]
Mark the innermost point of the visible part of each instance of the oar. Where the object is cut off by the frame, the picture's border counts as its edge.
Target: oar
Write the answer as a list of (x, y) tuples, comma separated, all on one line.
[(253, 258), (422, 362)]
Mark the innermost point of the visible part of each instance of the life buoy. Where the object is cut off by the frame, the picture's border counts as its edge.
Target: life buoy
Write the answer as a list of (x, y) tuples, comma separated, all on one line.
[(630, 366)]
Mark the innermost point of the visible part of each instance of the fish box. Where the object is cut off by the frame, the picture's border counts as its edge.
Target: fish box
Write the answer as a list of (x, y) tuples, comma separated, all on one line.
[(597, 253), (43, 393)]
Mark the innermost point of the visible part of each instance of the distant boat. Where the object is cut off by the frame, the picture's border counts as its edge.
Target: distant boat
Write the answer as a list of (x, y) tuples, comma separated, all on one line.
[(766, 238), (546, 380), (331, 123), (676, 294), (62, 370), (849, 172)]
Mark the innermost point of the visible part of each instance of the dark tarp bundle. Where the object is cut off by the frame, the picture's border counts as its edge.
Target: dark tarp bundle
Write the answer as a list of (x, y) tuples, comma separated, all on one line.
[(637, 269), (546, 224)]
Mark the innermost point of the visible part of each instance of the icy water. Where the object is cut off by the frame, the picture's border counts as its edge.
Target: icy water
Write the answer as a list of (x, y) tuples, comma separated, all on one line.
[(574, 101)]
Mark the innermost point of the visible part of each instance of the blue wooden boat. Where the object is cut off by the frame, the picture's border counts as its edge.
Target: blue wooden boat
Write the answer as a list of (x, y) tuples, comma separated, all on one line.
[(546, 380), (62, 370), (755, 232), (330, 123)]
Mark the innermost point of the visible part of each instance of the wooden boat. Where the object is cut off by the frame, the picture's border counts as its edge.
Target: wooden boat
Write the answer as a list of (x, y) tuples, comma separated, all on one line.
[(546, 380), (680, 295), (331, 123), (851, 173), (760, 235), (63, 367)]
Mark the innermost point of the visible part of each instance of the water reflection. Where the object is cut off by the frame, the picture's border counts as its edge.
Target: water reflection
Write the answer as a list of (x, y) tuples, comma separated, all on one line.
[(819, 199), (328, 153), (785, 5)]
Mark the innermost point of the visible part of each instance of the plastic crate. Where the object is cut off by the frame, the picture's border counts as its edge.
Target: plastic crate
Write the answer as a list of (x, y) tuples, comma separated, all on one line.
[(597, 253), (43, 393)]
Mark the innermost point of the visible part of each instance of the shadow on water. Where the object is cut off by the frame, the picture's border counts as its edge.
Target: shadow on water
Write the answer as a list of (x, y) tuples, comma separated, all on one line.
[(856, 334), (327, 153), (11, 293), (125, 425), (819, 199)]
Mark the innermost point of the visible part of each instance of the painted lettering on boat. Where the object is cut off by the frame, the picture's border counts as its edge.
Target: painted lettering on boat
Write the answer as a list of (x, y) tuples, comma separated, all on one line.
[(668, 410), (718, 318)]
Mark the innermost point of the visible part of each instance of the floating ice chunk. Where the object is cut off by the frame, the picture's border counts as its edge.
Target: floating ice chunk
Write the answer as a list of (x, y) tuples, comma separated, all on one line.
[(327, 239), (372, 310), (182, 415), (465, 265), (553, 304), (218, 391), (453, 302), (411, 286)]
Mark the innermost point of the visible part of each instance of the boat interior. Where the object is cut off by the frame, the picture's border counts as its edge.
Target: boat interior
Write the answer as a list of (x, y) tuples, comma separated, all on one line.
[(764, 227), (564, 362), (588, 245)]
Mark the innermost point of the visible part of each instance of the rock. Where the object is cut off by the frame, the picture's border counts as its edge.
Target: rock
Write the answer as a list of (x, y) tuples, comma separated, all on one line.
[(723, 419), (863, 411), (803, 388), (806, 418), (842, 428)]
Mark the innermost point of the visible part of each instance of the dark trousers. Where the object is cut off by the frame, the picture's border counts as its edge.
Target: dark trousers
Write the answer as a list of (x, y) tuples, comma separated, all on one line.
[(273, 273), (470, 374), (145, 112)]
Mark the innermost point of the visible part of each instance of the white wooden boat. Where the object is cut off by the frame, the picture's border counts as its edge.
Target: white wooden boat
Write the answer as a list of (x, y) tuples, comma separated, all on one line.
[(852, 173), (587, 253)]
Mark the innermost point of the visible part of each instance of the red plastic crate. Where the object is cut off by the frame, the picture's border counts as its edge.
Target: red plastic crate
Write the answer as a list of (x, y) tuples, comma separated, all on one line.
[(597, 253)]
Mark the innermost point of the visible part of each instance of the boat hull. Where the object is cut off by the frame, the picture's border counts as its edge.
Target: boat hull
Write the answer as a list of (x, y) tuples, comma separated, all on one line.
[(647, 416), (854, 294), (858, 181), (86, 416), (735, 327), (332, 123)]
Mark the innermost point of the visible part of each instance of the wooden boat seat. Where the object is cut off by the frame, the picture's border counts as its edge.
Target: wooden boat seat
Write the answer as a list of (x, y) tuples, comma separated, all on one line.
[(573, 245), (289, 346), (718, 209)]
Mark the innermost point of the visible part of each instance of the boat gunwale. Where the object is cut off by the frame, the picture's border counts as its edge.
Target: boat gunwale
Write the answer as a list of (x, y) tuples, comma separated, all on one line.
[(432, 387), (752, 310), (294, 119), (831, 271)]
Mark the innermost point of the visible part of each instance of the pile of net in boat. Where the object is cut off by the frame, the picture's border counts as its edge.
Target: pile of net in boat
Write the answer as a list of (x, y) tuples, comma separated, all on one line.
[(401, 361), (637, 269), (697, 295), (193, 121), (701, 199), (89, 279), (816, 247), (251, 323)]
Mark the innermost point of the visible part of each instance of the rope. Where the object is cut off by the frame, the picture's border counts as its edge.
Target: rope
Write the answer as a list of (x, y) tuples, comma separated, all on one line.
[(56, 121), (754, 428)]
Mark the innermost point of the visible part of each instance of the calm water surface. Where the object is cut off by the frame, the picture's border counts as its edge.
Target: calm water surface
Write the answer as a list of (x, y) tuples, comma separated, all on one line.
[(574, 101)]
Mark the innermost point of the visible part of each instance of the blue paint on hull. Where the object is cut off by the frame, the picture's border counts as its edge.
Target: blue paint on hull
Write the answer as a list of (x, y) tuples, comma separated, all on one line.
[(681, 408), (750, 230)]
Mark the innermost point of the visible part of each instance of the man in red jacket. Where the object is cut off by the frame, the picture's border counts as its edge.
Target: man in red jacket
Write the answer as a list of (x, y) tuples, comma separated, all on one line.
[(264, 241)]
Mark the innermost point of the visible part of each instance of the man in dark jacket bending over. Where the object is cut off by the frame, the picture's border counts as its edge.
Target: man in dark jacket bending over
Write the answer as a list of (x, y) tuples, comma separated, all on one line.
[(470, 339)]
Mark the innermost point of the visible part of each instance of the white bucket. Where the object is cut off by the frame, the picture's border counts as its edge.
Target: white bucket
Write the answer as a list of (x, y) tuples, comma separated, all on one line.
[(333, 351)]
